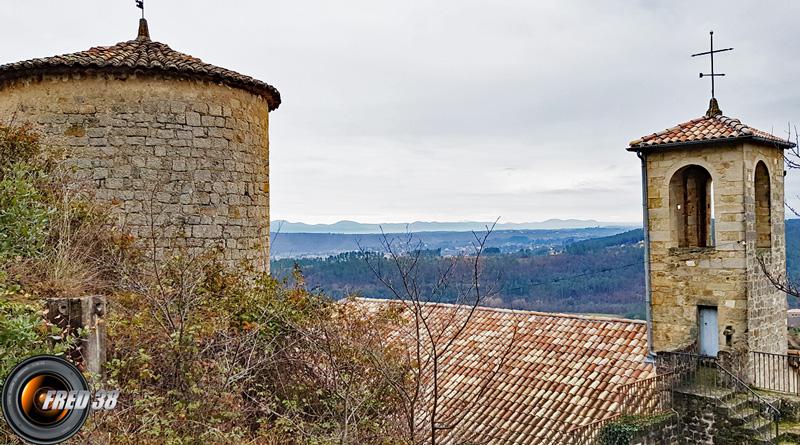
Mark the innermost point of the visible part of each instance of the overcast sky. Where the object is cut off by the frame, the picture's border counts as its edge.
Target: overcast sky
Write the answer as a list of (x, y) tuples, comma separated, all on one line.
[(456, 110)]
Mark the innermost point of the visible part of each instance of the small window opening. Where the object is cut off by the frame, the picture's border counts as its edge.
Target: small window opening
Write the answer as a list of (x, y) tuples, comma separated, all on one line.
[(763, 207), (692, 197)]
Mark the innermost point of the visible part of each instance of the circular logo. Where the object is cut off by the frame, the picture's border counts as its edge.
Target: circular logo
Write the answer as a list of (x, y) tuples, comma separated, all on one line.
[(39, 403)]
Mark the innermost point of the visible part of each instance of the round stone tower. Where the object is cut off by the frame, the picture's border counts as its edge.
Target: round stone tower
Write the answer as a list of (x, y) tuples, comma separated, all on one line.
[(161, 134)]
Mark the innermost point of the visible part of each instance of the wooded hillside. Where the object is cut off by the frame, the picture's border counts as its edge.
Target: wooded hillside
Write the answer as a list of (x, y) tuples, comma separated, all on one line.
[(598, 275)]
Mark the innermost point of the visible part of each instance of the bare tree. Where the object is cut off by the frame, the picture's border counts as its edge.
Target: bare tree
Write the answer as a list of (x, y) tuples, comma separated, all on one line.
[(434, 328)]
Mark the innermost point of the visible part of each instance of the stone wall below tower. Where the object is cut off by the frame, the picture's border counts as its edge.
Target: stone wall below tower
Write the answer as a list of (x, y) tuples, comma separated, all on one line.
[(191, 156)]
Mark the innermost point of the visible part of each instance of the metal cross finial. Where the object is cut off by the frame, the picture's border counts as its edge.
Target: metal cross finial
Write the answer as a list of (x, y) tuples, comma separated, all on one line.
[(140, 5), (711, 53)]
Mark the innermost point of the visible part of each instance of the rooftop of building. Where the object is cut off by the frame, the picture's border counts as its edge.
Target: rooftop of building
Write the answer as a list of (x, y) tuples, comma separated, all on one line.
[(713, 127), (141, 55), (562, 370)]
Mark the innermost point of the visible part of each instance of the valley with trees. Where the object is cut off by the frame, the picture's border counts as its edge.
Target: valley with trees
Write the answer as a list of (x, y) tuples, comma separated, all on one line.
[(569, 270)]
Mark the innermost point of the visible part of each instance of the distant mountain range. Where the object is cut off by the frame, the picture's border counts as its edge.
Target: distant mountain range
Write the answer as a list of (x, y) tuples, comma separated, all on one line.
[(305, 245), (352, 227)]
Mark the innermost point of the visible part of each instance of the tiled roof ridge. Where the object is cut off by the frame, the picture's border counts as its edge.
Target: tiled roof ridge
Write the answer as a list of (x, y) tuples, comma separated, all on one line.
[(689, 123), (708, 128), (734, 123), (140, 54), (515, 311), (666, 131)]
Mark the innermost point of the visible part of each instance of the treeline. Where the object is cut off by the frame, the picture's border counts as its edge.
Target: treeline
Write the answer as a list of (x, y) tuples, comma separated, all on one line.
[(598, 275), (603, 275), (631, 237)]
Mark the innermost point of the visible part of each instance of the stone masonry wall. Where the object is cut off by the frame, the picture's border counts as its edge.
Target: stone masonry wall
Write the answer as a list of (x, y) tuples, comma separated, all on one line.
[(722, 276), (197, 151), (701, 420), (684, 277), (766, 305), (662, 433)]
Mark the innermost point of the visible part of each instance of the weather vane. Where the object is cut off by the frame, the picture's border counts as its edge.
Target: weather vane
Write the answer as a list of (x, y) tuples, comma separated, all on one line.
[(711, 53), (140, 5)]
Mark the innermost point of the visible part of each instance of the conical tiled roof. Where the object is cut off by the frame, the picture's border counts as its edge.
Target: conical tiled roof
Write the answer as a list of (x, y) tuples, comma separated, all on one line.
[(140, 55), (713, 127)]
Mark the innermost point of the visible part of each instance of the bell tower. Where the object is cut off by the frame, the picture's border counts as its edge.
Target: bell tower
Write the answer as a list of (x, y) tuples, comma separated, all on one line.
[(714, 213)]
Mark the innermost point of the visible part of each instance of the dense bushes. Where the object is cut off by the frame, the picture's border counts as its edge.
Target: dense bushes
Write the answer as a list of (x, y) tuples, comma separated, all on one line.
[(55, 241), (23, 333), (28, 204), (207, 355), (24, 216), (24, 207), (622, 430), (201, 353)]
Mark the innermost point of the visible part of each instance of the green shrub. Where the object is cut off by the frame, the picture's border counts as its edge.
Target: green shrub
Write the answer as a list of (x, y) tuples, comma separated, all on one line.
[(622, 430), (25, 333), (24, 213), (19, 145), (55, 240), (25, 206)]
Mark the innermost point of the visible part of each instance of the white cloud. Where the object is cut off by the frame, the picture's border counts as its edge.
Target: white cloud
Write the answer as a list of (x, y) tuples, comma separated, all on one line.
[(459, 109)]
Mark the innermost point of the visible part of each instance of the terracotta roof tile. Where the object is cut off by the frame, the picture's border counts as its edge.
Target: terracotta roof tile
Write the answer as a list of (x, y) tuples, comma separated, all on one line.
[(706, 129), (552, 381), (140, 55)]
